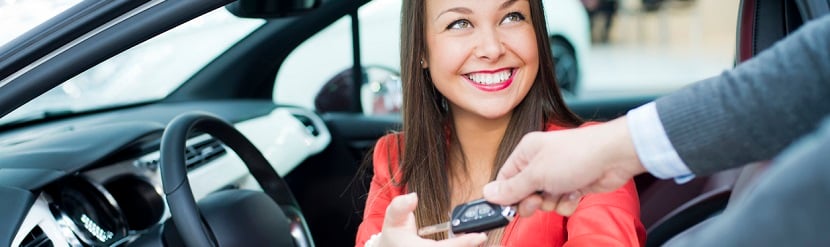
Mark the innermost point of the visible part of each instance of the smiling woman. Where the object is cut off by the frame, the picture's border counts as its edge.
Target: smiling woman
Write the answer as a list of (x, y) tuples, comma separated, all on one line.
[(477, 76), (489, 78)]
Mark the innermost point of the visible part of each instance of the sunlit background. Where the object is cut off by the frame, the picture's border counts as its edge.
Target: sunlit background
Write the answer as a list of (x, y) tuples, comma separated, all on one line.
[(18, 16), (679, 42)]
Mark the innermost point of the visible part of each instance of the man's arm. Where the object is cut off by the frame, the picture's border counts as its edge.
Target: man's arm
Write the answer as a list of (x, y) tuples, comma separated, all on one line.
[(754, 111)]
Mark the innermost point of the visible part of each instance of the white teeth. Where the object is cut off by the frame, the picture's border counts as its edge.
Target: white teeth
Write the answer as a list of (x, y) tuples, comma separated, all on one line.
[(490, 78)]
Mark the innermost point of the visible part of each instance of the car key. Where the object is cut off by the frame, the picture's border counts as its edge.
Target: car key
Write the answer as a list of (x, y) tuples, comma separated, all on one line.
[(475, 216)]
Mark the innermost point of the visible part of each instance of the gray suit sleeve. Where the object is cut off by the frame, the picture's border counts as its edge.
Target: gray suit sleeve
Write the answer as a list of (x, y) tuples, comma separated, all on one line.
[(757, 109)]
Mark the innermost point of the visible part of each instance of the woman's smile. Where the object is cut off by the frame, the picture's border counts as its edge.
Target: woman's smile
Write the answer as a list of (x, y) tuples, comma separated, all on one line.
[(491, 81)]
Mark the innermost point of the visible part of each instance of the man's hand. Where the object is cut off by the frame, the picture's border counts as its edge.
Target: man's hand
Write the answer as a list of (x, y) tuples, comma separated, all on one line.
[(399, 228), (565, 165)]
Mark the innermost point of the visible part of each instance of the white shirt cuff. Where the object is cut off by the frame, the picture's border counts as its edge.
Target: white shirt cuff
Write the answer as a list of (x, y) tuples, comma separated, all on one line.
[(653, 146)]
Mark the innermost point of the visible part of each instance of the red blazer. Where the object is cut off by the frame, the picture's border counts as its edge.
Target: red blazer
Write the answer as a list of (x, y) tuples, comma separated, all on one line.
[(610, 219)]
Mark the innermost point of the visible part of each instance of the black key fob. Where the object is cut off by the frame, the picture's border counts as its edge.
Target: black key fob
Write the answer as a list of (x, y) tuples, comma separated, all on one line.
[(479, 216)]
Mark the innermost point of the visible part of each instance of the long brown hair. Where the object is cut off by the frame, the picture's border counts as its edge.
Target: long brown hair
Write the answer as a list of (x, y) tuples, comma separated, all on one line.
[(426, 119)]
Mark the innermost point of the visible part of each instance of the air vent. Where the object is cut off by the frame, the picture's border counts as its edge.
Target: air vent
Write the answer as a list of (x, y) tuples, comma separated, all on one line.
[(36, 238), (308, 123), (203, 152)]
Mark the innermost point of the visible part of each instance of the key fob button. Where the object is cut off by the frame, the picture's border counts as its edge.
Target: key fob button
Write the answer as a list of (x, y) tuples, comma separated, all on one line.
[(484, 210), (471, 213)]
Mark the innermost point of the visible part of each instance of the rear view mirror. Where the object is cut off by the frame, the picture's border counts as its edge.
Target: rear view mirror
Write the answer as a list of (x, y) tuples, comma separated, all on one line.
[(270, 8)]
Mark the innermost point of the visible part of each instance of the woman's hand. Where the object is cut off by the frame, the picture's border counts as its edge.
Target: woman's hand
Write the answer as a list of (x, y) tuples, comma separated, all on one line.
[(399, 227)]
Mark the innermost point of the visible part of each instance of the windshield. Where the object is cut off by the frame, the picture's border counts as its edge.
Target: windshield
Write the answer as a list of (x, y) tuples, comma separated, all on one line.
[(18, 16), (147, 72)]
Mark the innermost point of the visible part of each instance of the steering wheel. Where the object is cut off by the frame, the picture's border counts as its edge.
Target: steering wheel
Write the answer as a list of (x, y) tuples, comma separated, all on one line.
[(233, 217)]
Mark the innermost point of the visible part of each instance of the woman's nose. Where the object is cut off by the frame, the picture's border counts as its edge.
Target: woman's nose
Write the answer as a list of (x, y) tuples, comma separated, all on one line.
[(489, 45)]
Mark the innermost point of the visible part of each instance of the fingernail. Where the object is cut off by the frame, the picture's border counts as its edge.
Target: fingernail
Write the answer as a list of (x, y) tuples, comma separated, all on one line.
[(573, 196)]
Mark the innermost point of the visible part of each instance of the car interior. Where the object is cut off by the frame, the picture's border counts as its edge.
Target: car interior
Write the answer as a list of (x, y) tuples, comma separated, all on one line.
[(761, 23), (218, 162)]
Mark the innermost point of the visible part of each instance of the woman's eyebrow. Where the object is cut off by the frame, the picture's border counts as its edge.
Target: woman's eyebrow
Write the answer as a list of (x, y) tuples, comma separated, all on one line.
[(467, 11), (507, 4), (460, 10)]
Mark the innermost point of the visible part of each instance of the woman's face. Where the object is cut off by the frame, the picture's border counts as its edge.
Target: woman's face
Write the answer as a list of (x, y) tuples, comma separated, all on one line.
[(482, 54)]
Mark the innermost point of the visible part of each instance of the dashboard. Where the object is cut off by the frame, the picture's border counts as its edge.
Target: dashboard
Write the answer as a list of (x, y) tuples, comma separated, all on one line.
[(98, 183)]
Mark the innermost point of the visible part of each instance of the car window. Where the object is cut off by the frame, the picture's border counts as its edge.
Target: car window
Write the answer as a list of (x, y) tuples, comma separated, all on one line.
[(147, 72), (379, 23), (327, 57), (19, 16), (657, 46), (601, 49), (313, 63)]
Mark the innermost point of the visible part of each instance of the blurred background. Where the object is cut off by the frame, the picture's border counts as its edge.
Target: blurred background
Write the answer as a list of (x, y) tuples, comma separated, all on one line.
[(603, 49), (645, 46), (18, 16)]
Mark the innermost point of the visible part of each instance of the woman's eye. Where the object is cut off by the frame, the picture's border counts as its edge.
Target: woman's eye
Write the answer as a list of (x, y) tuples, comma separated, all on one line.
[(460, 24), (513, 17)]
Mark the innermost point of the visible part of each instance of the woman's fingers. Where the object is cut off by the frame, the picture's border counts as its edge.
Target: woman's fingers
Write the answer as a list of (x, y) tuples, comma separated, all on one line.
[(529, 205), (399, 213), (564, 205), (567, 203), (471, 239)]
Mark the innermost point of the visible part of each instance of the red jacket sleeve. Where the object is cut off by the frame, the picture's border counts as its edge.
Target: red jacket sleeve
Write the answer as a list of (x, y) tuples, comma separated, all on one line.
[(382, 189), (609, 219)]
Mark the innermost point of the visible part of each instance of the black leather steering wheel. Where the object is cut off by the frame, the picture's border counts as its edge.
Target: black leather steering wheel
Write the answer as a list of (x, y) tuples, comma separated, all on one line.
[(230, 217)]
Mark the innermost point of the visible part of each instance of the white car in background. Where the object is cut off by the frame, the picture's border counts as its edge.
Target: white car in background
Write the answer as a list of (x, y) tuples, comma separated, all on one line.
[(330, 53)]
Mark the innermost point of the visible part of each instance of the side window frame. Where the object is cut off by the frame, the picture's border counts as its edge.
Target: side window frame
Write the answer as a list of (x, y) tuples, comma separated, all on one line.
[(357, 71)]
